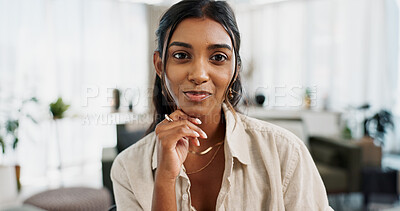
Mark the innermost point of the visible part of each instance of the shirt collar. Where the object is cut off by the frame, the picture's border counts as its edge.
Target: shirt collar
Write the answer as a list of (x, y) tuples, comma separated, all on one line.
[(235, 138), (154, 157), (237, 141)]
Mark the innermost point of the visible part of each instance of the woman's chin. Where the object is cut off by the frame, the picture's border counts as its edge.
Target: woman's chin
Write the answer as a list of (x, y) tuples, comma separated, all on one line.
[(198, 110), (195, 111)]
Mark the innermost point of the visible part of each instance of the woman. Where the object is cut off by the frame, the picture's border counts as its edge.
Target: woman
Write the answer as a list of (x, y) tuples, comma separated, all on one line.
[(200, 153)]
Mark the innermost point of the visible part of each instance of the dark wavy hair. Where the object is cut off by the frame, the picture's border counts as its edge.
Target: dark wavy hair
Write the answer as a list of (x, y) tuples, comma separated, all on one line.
[(218, 11)]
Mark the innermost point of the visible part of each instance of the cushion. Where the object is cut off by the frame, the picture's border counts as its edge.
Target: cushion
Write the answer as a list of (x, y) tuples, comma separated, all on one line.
[(334, 178), (325, 155), (71, 199)]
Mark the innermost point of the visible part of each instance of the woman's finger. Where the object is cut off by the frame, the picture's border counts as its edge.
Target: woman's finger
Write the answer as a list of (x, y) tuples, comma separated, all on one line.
[(170, 137), (184, 122), (180, 115), (195, 141)]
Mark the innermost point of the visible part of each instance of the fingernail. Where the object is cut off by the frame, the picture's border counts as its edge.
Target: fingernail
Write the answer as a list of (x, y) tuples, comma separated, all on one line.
[(196, 133), (204, 134), (198, 142), (198, 121)]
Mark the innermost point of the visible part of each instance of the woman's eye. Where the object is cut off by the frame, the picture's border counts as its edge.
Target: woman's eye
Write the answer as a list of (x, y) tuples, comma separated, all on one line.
[(219, 58), (180, 56)]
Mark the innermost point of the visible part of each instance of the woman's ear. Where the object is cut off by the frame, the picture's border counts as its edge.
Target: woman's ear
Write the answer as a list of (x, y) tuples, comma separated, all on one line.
[(157, 61), (238, 67)]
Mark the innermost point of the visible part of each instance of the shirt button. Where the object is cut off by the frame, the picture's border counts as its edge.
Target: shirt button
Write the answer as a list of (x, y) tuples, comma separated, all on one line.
[(185, 196)]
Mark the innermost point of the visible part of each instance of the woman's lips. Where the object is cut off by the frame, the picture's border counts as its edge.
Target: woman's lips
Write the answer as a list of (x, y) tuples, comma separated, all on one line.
[(197, 96)]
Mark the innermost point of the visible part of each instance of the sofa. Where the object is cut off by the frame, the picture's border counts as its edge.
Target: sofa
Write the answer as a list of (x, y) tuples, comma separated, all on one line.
[(338, 162)]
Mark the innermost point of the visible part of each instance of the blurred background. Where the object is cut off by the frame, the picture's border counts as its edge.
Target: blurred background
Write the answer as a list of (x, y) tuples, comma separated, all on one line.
[(76, 81)]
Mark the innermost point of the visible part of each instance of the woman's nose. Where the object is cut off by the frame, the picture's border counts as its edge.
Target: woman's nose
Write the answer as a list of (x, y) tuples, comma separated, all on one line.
[(198, 73)]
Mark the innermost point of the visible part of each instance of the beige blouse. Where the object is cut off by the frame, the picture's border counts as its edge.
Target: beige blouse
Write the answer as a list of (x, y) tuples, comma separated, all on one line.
[(266, 168)]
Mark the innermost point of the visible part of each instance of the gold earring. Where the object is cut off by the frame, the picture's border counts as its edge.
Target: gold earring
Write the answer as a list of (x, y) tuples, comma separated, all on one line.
[(230, 94)]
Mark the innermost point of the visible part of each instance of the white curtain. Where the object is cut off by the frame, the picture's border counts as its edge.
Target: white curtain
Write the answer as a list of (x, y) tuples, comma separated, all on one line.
[(346, 51), (79, 50), (51, 48)]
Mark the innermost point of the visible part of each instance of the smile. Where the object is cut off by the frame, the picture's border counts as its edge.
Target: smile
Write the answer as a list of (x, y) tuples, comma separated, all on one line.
[(197, 96)]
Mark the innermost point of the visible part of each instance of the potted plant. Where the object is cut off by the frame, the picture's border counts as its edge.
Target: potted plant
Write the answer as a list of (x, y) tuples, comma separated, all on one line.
[(8, 190), (9, 168), (8, 183), (308, 97), (57, 109), (377, 126), (11, 126)]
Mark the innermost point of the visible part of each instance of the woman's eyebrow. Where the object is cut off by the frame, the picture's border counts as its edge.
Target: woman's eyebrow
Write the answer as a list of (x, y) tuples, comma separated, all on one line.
[(182, 44), (210, 47), (215, 46)]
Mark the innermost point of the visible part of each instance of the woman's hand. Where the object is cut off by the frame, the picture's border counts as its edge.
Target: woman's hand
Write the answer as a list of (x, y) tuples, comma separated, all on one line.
[(173, 143)]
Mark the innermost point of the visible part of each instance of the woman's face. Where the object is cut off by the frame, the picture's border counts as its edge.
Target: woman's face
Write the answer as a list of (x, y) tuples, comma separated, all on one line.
[(199, 67)]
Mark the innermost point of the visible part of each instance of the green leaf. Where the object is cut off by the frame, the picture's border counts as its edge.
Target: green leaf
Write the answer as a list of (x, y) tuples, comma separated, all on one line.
[(12, 126), (15, 142), (34, 99), (3, 145), (31, 118), (58, 108), (347, 133)]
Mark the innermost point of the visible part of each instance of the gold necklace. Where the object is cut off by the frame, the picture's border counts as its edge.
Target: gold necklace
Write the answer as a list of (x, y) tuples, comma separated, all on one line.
[(207, 150), (209, 162)]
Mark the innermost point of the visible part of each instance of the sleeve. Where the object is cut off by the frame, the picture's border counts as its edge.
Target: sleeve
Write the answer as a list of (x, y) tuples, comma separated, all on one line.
[(303, 188), (124, 197)]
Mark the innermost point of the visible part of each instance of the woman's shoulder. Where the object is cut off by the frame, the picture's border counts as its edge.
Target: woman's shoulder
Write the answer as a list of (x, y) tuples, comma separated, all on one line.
[(132, 173), (269, 137), (273, 141), (252, 124)]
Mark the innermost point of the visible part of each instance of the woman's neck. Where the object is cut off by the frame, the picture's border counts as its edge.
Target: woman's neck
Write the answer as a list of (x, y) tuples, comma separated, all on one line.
[(214, 126)]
